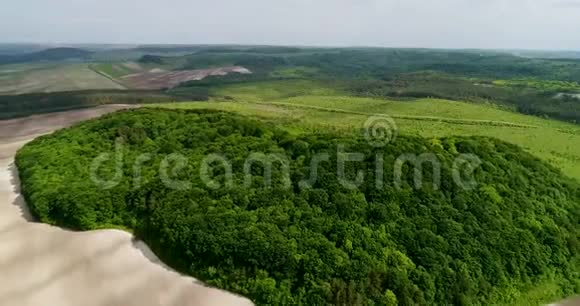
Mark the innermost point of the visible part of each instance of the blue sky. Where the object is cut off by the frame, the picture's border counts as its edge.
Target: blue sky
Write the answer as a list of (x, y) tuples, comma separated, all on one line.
[(532, 24)]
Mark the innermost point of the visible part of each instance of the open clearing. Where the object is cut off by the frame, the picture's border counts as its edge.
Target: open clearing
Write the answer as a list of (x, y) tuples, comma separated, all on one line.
[(301, 105), (46, 265), (28, 78)]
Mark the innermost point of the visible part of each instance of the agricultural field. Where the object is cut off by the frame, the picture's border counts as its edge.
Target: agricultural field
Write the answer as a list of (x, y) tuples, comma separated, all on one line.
[(161, 79), (539, 87), (35, 78), (117, 70), (302, 105), (148, 76)]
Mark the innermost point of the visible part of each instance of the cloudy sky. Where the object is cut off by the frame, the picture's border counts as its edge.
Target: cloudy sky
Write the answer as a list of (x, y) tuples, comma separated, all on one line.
[(532, 24)]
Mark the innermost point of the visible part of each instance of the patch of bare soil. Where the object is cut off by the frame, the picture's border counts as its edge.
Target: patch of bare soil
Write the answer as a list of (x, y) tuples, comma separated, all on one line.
[(159, 79)]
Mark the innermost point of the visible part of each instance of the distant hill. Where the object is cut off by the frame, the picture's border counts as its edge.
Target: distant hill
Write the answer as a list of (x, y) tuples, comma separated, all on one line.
[(168, 48), (548, 54), (53, 54), (152, 59), (13, 49)]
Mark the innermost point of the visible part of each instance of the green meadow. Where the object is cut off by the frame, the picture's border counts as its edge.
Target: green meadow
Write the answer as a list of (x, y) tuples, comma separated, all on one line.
[(301, 105)]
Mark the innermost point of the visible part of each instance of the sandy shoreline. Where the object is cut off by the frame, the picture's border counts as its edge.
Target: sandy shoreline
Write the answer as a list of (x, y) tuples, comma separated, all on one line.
[(46, 265)]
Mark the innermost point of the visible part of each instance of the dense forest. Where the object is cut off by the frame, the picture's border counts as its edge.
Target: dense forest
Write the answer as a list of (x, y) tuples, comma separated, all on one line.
[(321, 243)]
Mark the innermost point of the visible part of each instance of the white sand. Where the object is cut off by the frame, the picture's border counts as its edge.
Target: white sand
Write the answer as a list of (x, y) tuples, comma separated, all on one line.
[(46, 265)]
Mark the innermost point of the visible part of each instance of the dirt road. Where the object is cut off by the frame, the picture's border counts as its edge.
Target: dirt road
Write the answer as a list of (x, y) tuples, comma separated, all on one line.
[(46, 265)]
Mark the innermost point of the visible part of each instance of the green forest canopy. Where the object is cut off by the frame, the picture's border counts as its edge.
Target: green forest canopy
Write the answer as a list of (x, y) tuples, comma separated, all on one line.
[(319, 245)]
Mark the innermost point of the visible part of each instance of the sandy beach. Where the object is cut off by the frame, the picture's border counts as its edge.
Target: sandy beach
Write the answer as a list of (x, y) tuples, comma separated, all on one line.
[(46, 265)]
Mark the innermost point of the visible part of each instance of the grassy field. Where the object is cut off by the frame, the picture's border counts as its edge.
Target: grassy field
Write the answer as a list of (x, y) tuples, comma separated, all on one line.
[(304, 105), (29, 78), (540, 84), (112, 70)]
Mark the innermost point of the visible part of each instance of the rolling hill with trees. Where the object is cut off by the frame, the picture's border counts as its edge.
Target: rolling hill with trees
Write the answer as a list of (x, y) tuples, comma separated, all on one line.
[(514, 231)]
